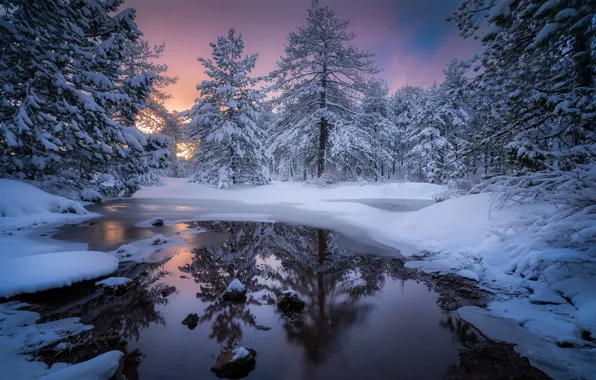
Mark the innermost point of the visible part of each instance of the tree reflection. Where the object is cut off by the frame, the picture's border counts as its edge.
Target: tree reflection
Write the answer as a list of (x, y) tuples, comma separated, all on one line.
[(333, 281)]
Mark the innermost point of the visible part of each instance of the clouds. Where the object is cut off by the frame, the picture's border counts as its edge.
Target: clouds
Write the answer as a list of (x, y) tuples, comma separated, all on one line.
[(411, 39)]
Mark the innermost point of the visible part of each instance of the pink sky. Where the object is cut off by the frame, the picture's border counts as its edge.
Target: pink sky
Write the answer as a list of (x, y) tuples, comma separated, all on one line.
[(412, 46)]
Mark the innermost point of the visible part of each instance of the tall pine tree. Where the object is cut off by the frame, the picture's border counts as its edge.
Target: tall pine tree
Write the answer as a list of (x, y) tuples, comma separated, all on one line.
[(224, 119), (321, 79)]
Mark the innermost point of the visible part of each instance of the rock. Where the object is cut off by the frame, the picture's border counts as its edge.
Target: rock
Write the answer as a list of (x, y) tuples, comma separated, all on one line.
[(288, 301), (184, 276), (157, 222), (262, 328), (235, 291), (235, 363), (168, 291), (191, 321)]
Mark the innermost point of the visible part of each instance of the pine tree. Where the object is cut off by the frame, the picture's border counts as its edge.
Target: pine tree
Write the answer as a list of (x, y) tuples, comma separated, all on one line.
[(64, 105), (538, 67), (224, 119), (321, 79), (376, 117), (139, 57)]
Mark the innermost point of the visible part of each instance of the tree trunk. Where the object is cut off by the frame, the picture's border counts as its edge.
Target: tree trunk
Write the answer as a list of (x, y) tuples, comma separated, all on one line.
[(323, 133)]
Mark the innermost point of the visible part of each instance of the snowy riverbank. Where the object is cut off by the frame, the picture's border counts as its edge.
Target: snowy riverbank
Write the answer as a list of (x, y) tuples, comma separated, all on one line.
[(544, 297), (547, 293)]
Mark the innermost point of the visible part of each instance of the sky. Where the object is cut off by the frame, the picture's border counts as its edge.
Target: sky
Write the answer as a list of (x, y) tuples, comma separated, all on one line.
[(411, 40)]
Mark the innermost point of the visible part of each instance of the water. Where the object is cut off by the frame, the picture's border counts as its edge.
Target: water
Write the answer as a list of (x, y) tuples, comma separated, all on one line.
[(367, 317)]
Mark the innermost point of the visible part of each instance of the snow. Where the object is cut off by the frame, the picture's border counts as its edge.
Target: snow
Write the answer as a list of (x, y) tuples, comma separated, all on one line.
[(290, 293), (469, 275), (34, 273), (236, 286), (240, 353), (113, 282), (290, 192), (147, 250), (99, 368), (22, 204), (20, 336)]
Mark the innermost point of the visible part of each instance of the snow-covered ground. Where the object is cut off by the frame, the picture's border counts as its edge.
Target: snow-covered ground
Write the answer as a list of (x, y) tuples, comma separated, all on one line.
[(546, 293)]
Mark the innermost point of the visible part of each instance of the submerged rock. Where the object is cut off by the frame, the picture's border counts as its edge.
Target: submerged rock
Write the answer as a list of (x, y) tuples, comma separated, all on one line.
[(288, 301), (235, 291), (235, 363), (262, 328), (191, 321), (168, 291)]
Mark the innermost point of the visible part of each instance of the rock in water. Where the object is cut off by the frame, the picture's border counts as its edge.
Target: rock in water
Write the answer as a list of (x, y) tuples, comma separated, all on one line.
[(288, 301), (191, 321), (262, 328), (157, 222), (235, 291), (235, 363), (168, 291)]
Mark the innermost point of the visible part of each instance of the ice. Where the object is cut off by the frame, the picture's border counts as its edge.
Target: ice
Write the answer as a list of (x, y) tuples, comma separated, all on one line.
[(101, 367), (34, 273), (113, 282)]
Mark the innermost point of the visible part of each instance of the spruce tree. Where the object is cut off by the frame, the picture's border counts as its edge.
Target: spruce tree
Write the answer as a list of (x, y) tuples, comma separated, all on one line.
[(321, 79), (224, 119)]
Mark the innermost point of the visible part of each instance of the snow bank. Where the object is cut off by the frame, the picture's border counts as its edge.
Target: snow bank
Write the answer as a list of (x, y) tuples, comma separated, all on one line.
[(19, 199), (290, 192), (34, 273), (20, 336), (101, 367)]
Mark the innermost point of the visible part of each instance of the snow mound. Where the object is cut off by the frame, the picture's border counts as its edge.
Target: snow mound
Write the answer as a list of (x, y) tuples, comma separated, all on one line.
[(21, 199), (99, 368), (113, 282), (34, 273), (145, 250), (236, 286)]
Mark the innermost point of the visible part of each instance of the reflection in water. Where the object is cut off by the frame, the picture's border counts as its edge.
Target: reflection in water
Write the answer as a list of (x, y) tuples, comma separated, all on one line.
[(346, 315), (333, 281)]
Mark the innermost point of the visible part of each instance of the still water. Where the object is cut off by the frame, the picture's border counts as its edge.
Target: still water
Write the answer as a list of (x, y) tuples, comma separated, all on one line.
[(367, 317)]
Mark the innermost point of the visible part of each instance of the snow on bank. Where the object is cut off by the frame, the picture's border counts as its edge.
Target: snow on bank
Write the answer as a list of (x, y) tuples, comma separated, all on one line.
[(22, 204), (20, 336), (290, 192), (101, 367), (30, 274), (113, 282)]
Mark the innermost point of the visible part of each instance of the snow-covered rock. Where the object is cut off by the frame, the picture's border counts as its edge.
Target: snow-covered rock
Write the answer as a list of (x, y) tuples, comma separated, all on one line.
[(34, 273), (235, 291), (114, 282), (289, 301), (235, 363), (469, 275)]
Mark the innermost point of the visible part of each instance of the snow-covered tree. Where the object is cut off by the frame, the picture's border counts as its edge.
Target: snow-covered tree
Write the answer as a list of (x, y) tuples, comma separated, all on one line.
[(64, 105), (321, 79), (376, 118), (538, 67), (224, 119), (139, 58)]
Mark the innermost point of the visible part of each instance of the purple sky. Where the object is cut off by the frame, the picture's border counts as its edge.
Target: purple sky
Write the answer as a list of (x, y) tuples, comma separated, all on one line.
[(411, 39)]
